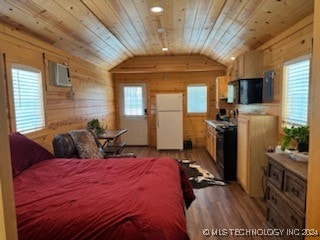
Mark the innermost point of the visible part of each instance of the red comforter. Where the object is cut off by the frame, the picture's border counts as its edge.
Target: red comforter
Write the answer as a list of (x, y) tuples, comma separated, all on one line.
[(102, 199)]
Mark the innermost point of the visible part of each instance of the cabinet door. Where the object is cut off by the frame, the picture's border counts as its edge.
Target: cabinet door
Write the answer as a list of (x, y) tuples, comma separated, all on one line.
[(252, 65), (208, 140), (242, 157), (221, 90), (214, 141), (248, 65), (210, 145)]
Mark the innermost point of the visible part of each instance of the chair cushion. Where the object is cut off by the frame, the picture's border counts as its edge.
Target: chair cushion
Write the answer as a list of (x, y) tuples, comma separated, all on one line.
[(25, 152), (85, 144)]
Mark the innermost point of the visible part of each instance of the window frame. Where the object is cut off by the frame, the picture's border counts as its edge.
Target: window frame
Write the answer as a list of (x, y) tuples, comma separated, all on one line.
[(142, 101), (207, 99), (120, 94), (284, 90), (12, 98)]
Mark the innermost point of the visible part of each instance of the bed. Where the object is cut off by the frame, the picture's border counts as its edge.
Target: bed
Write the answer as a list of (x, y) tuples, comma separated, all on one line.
[(56, 198)]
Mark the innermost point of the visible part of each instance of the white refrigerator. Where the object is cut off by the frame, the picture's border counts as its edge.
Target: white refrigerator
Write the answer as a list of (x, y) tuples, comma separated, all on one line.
[(169, 121)]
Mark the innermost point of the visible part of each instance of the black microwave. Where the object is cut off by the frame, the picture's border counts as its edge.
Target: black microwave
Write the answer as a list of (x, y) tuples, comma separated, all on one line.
[(245, 91)]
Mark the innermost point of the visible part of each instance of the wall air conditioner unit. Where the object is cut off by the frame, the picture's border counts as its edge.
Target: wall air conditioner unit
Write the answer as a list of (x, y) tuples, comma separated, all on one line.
[(59, 74)]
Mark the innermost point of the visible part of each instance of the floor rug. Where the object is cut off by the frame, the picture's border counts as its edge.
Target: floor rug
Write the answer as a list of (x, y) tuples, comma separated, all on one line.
[(198, 176)]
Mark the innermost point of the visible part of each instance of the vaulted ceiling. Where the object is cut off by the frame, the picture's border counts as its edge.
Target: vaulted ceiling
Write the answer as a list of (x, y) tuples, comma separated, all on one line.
[(107, 32)]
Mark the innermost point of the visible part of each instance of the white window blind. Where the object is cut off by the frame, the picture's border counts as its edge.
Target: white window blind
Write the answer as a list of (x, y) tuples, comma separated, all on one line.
[(133, 101), (197, 99), (296, 91), (28, 99)]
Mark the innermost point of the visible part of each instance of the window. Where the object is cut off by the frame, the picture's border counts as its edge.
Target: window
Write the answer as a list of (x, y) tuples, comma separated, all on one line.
[(28, 99), (295, 91), (197, 99), (133, 101)]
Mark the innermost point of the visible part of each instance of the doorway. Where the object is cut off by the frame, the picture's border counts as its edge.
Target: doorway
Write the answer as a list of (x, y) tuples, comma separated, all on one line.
[(133, 113)]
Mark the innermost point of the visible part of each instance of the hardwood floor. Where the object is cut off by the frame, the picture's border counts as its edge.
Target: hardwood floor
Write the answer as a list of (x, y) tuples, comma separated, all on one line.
[(217, 208)]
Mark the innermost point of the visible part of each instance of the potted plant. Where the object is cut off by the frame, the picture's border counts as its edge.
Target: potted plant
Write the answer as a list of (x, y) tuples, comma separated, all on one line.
[(299, 135), (94, 125)]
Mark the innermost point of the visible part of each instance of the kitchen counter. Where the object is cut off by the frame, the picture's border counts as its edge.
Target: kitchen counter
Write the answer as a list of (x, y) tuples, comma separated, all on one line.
[(215, 123), (221, 125)]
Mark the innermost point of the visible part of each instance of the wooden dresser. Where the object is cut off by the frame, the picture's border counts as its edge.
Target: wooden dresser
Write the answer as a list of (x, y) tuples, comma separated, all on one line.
[(286, 192)]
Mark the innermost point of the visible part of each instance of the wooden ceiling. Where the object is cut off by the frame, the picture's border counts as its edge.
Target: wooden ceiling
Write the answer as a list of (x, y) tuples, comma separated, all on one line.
[(107, 32)]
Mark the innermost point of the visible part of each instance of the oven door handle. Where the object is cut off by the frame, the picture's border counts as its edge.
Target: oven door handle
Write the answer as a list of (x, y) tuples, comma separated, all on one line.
[(219, 135)]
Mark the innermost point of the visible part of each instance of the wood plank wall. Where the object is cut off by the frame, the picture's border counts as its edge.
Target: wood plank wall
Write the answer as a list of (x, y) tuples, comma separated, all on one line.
[(8, 223), (172, 82), (294, 42), (313, 210), (92, 85)]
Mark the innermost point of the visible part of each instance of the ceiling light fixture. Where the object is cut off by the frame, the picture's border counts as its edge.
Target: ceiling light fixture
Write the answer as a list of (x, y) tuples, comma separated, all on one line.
[(233, 58), (157, 9), (165, 49)]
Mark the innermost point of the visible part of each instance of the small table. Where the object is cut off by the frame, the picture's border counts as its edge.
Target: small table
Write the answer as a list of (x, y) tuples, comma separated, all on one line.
[(111, 144)]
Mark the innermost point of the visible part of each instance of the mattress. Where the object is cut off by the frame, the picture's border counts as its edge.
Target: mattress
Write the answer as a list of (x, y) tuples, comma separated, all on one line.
[(142, 198)]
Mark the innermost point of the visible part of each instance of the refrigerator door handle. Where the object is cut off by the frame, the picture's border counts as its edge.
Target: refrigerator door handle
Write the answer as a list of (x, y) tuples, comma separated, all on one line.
[(157, 119)]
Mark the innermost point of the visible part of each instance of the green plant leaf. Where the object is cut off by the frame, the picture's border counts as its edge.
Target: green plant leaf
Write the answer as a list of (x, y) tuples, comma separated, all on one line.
[(298, 134)]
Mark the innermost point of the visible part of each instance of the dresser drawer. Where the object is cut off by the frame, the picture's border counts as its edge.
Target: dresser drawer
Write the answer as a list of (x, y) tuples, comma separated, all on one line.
[(295, 190), (275, 174), (274, 220), (293, 219)]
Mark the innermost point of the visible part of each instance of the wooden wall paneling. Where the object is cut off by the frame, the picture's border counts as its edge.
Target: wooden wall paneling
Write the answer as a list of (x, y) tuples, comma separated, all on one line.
[(8, 223), (294, 42), (194, 126), (33, 39), (313, 211), (288, 32), (300, 42), (183, 63), (27, 41), (19, 55), (92, 85)]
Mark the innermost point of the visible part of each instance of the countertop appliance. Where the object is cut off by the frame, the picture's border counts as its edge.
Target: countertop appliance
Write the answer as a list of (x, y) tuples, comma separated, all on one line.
[(226, 150), (245, 91), (169, 121), (250, 90)]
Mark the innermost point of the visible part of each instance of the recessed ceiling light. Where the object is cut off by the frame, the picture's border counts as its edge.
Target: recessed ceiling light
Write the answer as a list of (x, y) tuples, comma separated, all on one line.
[(156, 9), (233, 58), (165, 49)]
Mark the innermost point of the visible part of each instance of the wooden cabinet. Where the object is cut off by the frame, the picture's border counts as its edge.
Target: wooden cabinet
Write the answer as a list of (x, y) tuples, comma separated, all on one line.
[(255, 134), (286, 193), (221, 90), (248, 65), (211, 141)]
